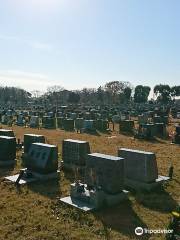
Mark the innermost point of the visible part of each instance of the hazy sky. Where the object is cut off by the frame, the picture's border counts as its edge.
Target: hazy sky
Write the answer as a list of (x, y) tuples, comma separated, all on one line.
[(85, 43)]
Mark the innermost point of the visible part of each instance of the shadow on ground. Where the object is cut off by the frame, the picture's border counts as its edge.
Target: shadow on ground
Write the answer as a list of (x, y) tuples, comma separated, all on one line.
[(6, 171), (160, 200), (50, 188), (121, 218)]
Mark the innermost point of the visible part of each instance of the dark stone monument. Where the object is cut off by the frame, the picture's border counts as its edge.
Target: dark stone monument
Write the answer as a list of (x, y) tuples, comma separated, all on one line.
[(32, 138), (6, 132), (74, 153), (42, 158), (7, 150)]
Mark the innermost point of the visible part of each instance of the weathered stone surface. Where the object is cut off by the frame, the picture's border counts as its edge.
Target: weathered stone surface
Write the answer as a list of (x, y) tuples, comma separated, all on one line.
[(105, 171), (139, 165), (32, 138), (7, 148), (42, 158), (75, 152)]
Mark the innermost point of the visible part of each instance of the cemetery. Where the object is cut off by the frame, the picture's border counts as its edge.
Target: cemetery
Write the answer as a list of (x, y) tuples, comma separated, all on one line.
[(97, 169), (89, 120)]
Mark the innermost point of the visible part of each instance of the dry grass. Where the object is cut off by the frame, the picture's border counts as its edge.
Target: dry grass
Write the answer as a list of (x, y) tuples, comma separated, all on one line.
[(34, 212)]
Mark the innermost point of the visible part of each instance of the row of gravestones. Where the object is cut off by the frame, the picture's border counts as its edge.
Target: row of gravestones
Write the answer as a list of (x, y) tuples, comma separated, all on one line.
[(145, 130), (150, 124), (103, 177), (79, 108), (74, 152), (50, 121), (90, 113), (79, 124), (86, 112)]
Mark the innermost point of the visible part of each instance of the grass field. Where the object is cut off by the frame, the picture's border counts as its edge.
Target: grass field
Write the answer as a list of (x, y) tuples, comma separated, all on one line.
[(34, 212)]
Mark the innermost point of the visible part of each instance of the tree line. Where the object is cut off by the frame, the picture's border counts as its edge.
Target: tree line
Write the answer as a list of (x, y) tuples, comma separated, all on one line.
[(12, 96), (113, 92)]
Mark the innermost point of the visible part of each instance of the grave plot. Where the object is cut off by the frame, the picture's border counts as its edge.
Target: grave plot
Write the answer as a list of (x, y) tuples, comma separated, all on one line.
[(41, 163), (7, 132), (60, 122), (89, 126), (68, 124), (20, 120), (176, 138), (103, 184), (79, 123), (74, 154), (126, 126), (157, 119), (101, 125), (28, 140), (140, 170), (73, 115), (145, 131), (161, 130), (4, 119), (34, 122), (7, 151), (32, 138), (143, 119), (48, 122)]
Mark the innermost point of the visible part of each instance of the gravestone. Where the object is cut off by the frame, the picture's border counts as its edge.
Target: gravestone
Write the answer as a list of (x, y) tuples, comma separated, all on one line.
[(4, 119), (89, 125), (165, 119), (139, 165), (102, 186), (74, 153), (32, 138), (101, 125), (68, 124), (126, 126), (140, 170), (7, 132), (7, 150), (79, 123), (142, 119), (157, 119), (41, 165), (161, 129), (105, 171), (73, 116), (42, 158), (176, 139), (20, 120), (34, 122), (146, 131), (60, 122), (48, 122)]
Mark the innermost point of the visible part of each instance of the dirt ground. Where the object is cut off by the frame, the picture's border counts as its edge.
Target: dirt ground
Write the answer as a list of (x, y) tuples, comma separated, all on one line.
[(34, 212)]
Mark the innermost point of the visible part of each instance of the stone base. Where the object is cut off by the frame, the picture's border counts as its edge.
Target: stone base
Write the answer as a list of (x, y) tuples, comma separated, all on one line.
[(140, 186), (10, 163), (94, 199), (78, 203), (32, 177)]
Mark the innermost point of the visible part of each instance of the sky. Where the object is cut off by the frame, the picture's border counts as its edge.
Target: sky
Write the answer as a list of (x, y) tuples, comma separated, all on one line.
[(86, 43)]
